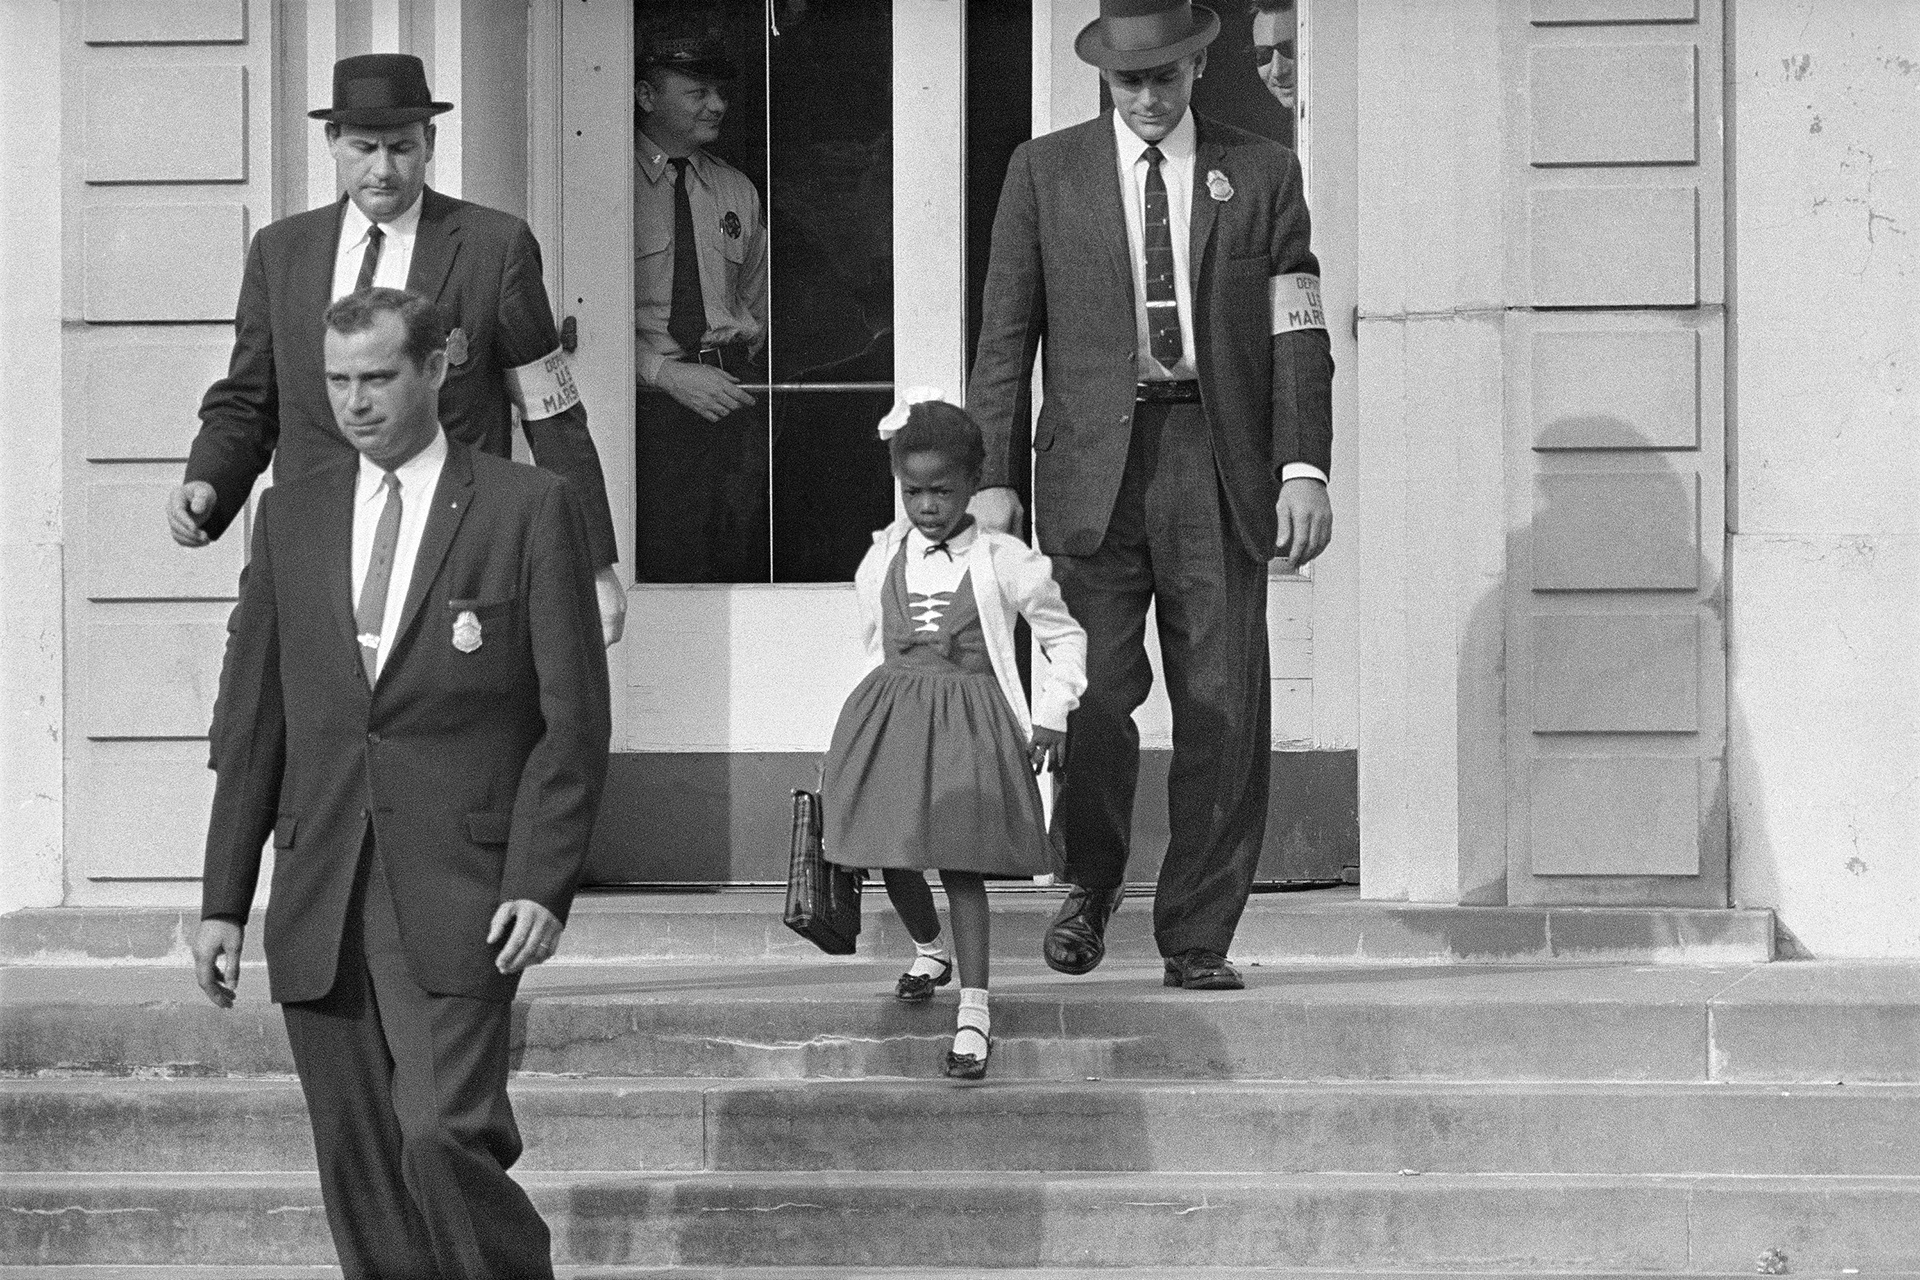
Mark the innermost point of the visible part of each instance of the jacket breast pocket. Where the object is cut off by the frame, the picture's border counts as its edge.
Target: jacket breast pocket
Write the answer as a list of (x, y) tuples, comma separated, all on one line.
[(483, 641)]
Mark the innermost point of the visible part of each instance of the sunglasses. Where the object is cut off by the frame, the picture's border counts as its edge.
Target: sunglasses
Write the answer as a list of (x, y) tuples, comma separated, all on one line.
[(1263, 53)]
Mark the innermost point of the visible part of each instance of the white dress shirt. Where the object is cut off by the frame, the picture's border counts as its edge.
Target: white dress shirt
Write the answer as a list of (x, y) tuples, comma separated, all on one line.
[(1176, 170), (396, 252), (419, 477)]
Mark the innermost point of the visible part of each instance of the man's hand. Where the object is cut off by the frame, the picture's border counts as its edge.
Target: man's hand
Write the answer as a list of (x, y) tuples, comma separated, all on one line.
[(188, 507), (532, 934), (216, 960), (1048, 749), (997, 508), (712, 393), (1306, 521), (613, 605)]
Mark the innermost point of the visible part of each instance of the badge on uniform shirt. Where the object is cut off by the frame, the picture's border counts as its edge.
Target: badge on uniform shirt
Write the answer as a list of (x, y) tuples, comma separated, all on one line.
[(457, 347), (466, 631), (1218, 187), (731, 225)]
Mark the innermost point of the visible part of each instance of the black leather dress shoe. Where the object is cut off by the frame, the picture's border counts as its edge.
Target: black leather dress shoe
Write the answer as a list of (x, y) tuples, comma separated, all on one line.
[(1199, 970), (1077, 940)]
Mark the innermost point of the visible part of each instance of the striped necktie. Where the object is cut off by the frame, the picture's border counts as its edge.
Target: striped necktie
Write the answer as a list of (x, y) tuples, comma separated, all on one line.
[(1163, 311), (371, 614)]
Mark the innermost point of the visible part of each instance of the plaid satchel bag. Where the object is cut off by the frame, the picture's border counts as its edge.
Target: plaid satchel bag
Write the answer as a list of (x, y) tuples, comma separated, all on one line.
[(823, 900)]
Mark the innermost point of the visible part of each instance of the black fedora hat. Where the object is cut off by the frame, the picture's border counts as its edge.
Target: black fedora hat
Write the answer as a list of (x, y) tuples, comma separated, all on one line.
[(1132, 35), (379, 91)]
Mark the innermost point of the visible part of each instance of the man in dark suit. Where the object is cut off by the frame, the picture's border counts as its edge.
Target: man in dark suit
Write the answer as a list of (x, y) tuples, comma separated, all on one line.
[(480, 265), (417, 711), (1184, 439)]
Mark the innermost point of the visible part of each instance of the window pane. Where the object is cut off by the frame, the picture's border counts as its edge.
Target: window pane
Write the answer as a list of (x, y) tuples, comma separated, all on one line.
[(794, 235)]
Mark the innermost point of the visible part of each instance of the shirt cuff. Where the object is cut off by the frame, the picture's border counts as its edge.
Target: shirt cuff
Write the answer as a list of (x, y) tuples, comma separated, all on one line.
[(1302, 471), (649, 367)]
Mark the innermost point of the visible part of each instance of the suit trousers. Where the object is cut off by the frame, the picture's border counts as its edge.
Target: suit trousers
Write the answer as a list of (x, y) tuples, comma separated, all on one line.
[(702, 491), (407, 1093), (1170, 544)]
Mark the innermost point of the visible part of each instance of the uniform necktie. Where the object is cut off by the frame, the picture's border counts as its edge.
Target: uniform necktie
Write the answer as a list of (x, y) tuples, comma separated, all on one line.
[(371, 615), (687, 319), (370, 260), (1163, 312)]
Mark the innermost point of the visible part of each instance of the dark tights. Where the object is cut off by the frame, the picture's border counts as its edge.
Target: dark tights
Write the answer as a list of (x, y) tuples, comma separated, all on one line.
[(966, 904)]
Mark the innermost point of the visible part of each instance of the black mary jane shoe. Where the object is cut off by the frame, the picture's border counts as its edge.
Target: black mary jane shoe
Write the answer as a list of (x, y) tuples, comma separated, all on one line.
[(917, 988), (964, 1066), (1201, 970)]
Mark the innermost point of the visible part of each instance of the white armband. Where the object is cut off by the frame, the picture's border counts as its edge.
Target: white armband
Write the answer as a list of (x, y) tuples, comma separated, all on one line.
[(1295, 300), (543, 388)]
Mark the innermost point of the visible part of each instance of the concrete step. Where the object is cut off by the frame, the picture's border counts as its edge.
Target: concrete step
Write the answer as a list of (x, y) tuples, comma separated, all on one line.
[(1802, 1022), (1087, 1220), (734, 926), (876, 1273), (91, 1125)]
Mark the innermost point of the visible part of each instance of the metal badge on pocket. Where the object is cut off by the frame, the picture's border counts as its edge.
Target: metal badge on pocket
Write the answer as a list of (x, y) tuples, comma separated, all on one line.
[(466, 631)]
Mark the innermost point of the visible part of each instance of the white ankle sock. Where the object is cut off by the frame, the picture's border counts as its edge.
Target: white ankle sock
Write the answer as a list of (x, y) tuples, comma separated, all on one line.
[(973, 1024), (932, 960)]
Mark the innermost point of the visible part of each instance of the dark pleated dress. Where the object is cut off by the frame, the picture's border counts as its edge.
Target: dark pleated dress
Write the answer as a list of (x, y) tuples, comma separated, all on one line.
[(928, 767)]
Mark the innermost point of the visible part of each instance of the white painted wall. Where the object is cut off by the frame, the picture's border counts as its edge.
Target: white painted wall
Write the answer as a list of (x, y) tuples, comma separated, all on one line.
[(1824, 564), (32, 660)]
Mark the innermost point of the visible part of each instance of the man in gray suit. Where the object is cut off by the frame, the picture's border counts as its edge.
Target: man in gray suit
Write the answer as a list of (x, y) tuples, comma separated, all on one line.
[(1184, 440)]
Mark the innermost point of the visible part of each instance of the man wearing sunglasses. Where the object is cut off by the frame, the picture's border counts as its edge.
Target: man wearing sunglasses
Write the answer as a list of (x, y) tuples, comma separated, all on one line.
[(1274, 26)]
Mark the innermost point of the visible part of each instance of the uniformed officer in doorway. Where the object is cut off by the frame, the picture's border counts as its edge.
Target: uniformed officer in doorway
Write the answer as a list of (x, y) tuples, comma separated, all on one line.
[(700, 319)]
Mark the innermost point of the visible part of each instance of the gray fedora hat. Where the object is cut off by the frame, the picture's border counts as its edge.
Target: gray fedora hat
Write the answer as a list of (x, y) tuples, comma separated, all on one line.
[(1132, 35), (379, 91)]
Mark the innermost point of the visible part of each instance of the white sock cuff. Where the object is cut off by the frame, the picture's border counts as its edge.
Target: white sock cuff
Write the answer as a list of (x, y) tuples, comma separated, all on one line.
[(934, 949), (973, 1008)]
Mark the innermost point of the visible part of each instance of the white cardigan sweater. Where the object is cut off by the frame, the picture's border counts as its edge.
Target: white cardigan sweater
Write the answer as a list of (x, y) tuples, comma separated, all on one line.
[(1010, 580)]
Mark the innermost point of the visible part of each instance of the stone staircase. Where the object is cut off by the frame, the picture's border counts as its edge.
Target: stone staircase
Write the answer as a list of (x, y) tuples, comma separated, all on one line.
[(704, 1098)]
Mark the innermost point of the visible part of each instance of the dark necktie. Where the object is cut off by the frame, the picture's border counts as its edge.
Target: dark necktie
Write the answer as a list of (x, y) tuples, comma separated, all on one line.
[(687, 319), (370, 260), (371, 614), (1163, 312)]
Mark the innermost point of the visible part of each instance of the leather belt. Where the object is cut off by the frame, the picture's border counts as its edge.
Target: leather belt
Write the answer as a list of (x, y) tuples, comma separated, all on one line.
[(1186, 391)]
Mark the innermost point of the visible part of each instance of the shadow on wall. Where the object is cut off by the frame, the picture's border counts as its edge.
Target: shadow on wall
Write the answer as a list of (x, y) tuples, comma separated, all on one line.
[(1606, 640)]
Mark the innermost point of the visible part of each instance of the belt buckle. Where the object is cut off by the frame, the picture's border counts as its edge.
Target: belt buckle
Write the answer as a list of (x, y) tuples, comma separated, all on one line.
[(711, 355)]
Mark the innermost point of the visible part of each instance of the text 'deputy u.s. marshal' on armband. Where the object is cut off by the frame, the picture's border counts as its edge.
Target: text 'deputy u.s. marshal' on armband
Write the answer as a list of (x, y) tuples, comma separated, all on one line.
[(544, 387), (1296, 302)]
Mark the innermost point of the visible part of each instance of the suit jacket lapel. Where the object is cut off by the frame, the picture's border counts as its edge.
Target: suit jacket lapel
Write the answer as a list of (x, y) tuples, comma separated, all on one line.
[(334, 544), (1208, 156), (435, 245), (310, 281), (451, 498), (1098, 170)]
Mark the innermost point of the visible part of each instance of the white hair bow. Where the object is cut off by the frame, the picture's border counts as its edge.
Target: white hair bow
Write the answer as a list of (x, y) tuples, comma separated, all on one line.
[(897, 416)]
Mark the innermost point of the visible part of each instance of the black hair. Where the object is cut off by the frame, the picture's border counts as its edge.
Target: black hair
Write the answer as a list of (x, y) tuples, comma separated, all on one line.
[(426, 331), (934, 426)]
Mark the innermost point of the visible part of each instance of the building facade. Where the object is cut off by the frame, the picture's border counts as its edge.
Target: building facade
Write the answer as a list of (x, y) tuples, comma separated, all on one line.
[(1623, 598)]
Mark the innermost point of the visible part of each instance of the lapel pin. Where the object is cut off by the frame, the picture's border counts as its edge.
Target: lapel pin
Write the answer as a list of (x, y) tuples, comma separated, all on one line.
[(466, 631), (1218, 187), (457, 343)]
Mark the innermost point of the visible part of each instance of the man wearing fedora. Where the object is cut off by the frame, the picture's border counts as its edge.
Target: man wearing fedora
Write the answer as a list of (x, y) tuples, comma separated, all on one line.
[(1184, 440), (700, 323), (479, 265)]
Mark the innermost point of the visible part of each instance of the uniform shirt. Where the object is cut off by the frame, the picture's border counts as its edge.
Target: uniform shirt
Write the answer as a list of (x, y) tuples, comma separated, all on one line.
[(731, 235), (1176, 169), (396, 251), (419, 477)]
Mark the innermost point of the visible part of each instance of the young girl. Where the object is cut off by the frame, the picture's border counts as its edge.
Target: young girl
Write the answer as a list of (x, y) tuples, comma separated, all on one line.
[(933, 759)]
